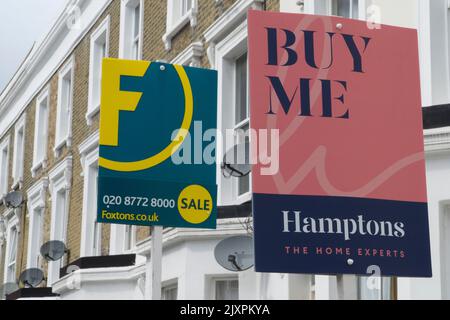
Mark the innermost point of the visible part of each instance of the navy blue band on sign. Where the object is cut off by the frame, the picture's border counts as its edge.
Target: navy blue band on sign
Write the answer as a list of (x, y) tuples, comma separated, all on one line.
[(340, 235)]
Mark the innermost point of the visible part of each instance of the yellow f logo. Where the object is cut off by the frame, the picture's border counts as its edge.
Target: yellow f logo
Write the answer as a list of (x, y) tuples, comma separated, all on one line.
[(113, 101)]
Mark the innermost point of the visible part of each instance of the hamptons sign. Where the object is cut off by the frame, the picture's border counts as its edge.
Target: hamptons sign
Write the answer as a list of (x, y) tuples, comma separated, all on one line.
[(350, 192), (148, 111)]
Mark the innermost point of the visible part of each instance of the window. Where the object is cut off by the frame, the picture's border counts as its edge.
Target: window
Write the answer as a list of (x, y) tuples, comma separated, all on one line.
[(60, 184), (130, 237), (444, 250), (35, 235), (131, 29), (4, 167), (312, 286), (179, 13), (11, 255), (36, 208), (228, 53), (136, 33), (91, 231), (41, 131), (64, 110), (241, 115), (99, 50), (448, 38), (345, 8), (375, 288), (19, 148), (226, 289), (12, 237), (170, 292)]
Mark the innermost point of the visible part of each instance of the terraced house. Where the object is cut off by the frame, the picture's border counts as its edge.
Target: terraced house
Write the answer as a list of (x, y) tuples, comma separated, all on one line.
[(49, 119)]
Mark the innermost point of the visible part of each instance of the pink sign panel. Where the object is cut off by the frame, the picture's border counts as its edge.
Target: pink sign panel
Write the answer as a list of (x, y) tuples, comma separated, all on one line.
[(348, 190)]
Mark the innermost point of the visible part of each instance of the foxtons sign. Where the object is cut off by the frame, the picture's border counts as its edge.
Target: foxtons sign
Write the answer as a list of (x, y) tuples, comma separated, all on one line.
[(350, 192), (148, 111)]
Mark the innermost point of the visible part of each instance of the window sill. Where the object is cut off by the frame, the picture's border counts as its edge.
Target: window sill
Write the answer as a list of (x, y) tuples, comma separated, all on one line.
[(17, 184), (243, 198), (60, 145), (38, 166), (92, 112), (171, 32)]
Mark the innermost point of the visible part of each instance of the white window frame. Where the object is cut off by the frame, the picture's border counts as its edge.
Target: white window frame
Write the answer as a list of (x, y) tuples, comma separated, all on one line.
[(169, 285), (19, 152), (444, 247), (386, 284), (448, 42), (60, 179), (63, 139), (4, 165), (129, 240), (312, 287), (40, 160), (2, 236), (191, 56), (12, 223), (126, 29), (239, 127), (325, 7), (213, 281), (36, 213), (227, 52), (91, 231), (232, 17), (100, 37), (176, 20), (227, 41)]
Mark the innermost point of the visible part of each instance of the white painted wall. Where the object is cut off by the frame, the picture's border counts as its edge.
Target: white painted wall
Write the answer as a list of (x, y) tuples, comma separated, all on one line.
[(401, 13), (438, 177)]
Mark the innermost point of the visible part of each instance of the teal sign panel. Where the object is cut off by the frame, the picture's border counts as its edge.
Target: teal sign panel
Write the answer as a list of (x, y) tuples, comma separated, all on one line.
[(157, 145)]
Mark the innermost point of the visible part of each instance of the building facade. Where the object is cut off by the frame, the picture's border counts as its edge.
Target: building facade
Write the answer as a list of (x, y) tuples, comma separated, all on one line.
[(49, 118)]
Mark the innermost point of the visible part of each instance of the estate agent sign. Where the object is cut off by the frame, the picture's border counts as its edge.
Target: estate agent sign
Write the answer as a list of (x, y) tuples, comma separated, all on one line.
[(149, 112), (351, 191)]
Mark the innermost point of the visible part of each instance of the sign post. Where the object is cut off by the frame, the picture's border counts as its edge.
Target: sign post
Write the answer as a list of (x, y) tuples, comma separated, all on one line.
[(154, 266), (157, 163), (350, 192)]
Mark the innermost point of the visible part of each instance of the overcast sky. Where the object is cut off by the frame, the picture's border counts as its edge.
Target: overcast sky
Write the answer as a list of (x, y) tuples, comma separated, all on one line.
[(21, 23)]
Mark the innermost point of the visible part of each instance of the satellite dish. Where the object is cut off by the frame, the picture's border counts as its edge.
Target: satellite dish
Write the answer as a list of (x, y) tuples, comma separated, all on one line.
[(236, 162), (53, 250), (7, 289), (235, 253), (31, 277), (13, 199)]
